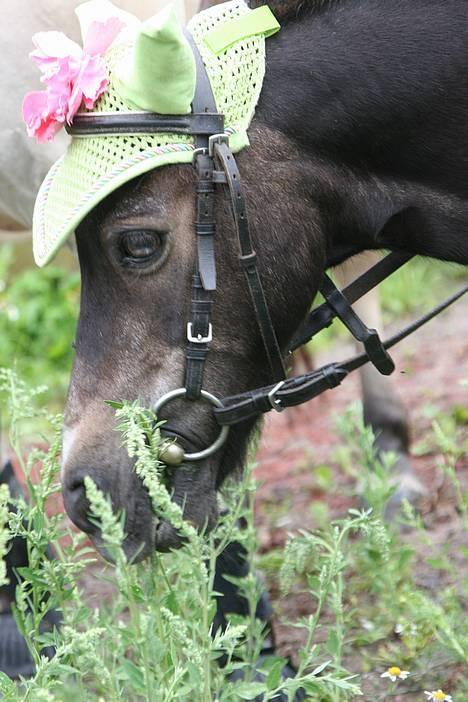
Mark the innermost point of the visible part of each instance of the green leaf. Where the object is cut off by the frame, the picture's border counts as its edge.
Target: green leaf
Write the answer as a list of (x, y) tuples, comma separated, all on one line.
[(324, 476), (354, 512), (273, 678), (311, 686), (249, 691), (82, 615), (137, 593), (114, 404), (63, 669), (344, 684), (333, 643), (194, 675), (320, 668), (404, 555), (170, 601), (129, 671), (460, 414), (7, 686), (438, 563)]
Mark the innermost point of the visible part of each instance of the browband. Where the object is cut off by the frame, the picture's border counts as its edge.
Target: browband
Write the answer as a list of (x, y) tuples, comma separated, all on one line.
[(112, 123)]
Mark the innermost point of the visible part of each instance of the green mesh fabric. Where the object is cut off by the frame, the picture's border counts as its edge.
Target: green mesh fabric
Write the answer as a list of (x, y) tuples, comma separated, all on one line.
[(93, 167)]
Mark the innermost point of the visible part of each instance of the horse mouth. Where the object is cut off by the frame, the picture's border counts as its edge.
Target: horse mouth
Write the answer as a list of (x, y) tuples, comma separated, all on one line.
[(193, 490), (134, 549), (191, 486)]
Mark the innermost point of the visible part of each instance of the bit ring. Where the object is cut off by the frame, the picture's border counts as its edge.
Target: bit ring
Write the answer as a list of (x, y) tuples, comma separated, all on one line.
[(223, 434)]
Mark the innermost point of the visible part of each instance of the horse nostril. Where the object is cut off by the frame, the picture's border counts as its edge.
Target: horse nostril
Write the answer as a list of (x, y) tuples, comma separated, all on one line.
[(76, 502), (75, 485)]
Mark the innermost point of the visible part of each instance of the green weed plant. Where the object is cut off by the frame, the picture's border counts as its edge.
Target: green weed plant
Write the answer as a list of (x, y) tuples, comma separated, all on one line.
[(154, 641)]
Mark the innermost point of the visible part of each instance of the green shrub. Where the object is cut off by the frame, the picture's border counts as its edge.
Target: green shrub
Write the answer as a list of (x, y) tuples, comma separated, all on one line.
[(38, 313), (153, 641)]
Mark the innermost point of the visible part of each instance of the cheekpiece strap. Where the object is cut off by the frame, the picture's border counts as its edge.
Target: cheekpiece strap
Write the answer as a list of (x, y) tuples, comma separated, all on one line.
[(199, 329)]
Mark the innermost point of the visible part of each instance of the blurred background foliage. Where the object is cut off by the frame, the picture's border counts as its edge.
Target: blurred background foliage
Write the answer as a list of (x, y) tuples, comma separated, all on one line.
[(38, 313)]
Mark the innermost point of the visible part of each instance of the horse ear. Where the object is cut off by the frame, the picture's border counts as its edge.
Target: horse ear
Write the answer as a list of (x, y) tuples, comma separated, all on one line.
[(161, 74)]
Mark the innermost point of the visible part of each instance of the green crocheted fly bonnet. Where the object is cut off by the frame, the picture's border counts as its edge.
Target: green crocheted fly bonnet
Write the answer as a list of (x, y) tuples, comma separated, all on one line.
[(150, 66)]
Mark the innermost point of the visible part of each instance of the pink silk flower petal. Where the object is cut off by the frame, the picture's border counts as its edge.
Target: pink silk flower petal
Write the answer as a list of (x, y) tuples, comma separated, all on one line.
[(89, 85), (54, 45), (41, 121), (100, 35)]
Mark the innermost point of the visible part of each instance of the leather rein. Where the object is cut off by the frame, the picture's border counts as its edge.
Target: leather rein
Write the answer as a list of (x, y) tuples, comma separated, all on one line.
[(215, 165)]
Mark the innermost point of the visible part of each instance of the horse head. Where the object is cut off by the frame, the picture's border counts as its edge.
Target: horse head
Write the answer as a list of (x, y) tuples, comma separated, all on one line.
[(312, 188), (137, 249)]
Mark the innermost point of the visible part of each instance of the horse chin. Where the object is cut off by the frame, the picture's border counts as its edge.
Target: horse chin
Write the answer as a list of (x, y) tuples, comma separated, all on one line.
[(193, 490), (134, 548)]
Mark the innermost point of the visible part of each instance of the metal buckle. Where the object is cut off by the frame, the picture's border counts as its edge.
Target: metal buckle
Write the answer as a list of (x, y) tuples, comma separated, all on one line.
[(217, 139), (199, 339), (198, 152), (275, 404), (224, 431)]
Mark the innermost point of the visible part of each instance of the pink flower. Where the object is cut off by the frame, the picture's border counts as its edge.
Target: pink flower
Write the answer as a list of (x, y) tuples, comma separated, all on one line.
[(72, 74), (42, 115)]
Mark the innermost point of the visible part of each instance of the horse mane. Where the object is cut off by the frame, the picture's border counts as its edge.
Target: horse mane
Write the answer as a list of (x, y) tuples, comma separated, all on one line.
[(286, 10)]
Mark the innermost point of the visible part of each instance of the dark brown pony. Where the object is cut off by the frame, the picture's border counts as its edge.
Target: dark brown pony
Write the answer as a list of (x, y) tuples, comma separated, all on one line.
[(359, 142)]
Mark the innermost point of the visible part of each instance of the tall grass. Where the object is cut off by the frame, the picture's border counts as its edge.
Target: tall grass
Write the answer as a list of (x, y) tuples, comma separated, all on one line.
[(154, 639)]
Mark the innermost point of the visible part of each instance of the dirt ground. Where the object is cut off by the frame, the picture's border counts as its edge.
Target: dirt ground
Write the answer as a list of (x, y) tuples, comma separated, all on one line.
[(430, 367)]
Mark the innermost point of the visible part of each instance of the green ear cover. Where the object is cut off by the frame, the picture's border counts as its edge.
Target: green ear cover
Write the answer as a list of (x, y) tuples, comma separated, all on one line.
[(162, 75)]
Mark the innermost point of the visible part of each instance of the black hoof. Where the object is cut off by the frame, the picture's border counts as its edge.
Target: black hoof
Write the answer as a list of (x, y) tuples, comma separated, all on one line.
[(408, 487), (15, 659)]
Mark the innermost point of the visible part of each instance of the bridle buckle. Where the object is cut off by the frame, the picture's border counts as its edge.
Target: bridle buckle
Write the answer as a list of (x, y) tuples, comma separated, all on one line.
[(201, 151), (274, 401), (199, 339), (217, 139)]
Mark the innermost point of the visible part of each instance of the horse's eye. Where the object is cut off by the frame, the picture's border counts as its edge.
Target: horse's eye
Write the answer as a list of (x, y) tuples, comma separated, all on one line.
[(141, 247)]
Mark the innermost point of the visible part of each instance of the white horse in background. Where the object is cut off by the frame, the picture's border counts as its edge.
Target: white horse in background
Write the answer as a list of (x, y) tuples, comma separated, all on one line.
[(23, 162)]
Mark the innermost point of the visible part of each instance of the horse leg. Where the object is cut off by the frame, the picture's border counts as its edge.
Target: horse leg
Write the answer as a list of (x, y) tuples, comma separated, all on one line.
[(232, 563), (383, 409), (15, 658)]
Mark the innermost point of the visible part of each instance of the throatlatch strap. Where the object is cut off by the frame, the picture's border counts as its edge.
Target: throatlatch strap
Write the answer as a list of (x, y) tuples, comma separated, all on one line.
[(323, 315), (248, 260), (295, 391), (369, 337)]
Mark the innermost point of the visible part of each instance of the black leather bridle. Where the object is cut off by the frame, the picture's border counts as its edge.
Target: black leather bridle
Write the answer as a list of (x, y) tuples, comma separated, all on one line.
[(215, 165)]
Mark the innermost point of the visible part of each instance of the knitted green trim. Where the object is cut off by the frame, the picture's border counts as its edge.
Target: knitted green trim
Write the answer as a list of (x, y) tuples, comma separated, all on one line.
[(260, 21)]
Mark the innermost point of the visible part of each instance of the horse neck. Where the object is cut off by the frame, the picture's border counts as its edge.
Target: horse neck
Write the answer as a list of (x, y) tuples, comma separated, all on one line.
[(370, 93)]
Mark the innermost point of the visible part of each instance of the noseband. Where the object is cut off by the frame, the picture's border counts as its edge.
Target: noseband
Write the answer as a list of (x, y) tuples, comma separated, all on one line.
[(214, 165)]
